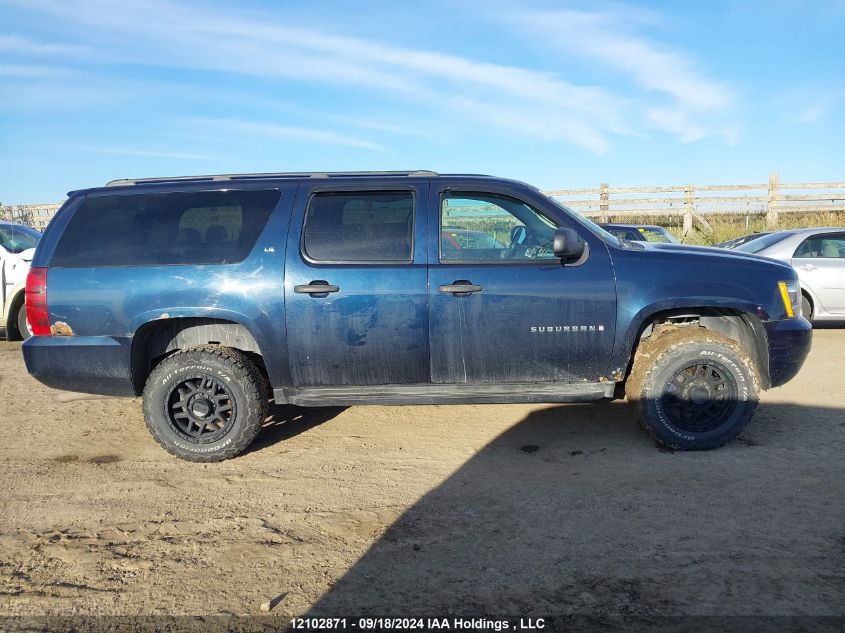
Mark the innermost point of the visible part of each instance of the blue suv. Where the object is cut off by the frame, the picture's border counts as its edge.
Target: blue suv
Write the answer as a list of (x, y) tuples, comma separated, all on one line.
[(214, 295)]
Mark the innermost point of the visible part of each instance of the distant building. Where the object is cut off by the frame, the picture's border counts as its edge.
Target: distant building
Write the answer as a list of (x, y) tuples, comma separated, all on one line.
[(37, 216)]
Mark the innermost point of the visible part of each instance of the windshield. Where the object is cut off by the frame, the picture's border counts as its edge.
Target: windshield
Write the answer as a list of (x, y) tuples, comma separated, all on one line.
[(17, 238), (758, 244), (595, 228)]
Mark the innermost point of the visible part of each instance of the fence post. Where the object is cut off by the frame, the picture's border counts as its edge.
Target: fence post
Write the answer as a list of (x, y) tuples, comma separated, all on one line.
[(604, 201), (688, 210), (772, 203)]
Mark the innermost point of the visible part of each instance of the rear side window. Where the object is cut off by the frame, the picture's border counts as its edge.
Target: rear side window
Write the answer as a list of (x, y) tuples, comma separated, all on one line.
[(204, 227), (361, 226)]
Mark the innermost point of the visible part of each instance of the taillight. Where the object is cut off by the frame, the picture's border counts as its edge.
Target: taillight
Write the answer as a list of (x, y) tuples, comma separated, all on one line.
[(36, 301)]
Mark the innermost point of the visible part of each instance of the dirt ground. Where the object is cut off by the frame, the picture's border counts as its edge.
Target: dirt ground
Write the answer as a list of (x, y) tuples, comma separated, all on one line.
[(512, 510)]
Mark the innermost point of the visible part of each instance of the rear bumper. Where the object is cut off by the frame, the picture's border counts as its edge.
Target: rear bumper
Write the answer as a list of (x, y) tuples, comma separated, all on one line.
[(789, 344), (87, 364)]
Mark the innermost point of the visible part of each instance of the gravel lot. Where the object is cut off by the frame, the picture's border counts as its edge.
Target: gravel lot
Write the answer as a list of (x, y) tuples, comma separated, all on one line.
[(517, 509)]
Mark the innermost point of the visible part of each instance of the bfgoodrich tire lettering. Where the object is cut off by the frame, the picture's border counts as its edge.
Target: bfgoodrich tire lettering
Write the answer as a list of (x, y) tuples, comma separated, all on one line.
[(205, 404), (692, 388)]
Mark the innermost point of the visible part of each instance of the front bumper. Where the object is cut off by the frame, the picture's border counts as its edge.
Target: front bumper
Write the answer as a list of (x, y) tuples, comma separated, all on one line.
[(87, 364), (789, 345)]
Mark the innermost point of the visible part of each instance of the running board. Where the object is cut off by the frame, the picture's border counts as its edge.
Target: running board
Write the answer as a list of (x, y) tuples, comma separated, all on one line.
[(445, 394)]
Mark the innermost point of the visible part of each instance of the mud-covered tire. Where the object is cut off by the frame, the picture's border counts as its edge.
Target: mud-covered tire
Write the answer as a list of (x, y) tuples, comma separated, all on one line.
[(219, 378), (23, 324), (692, 388)]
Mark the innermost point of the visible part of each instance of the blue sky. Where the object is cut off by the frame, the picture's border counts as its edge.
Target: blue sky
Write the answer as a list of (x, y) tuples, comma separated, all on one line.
[(559, 94)]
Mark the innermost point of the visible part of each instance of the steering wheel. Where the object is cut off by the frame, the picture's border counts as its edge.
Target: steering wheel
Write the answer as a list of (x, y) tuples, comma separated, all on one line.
[(518, 237)]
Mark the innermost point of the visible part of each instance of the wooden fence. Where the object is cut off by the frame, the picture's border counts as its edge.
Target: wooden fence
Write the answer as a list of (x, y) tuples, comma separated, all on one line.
[(692, 203), (695, 202)]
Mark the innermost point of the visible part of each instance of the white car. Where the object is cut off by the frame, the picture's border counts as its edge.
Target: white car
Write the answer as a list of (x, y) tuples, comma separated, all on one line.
[(818, 255), (17, 245)]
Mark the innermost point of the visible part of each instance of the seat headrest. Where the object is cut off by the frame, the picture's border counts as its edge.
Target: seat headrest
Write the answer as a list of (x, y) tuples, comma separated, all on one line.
[(187, 236), (215, 233)]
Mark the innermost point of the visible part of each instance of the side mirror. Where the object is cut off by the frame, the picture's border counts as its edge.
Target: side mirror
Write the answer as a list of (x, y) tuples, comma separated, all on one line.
[(567, 245)]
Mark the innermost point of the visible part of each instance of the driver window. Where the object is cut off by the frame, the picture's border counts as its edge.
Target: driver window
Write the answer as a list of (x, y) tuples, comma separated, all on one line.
[(483, 227)]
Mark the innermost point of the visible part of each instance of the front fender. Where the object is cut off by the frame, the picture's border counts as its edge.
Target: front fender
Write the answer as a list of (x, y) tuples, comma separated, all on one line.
[(694, 305)]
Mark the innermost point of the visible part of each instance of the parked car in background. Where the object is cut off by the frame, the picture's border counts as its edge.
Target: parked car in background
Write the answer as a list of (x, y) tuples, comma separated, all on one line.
[(742, 239), (818, 254), (17, 246), (640, 233)]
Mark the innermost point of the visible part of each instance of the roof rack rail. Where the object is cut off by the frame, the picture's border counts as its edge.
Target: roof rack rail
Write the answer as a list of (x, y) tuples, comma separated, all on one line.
[(125, 182)]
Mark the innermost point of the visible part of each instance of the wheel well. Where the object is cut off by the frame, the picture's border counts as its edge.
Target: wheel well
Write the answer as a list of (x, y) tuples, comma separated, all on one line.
[(742, 327), (156, 340), (12, 319)]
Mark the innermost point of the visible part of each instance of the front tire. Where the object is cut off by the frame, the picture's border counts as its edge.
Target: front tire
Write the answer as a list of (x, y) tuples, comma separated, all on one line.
[(205, 404), (692, 388), (806, 307)]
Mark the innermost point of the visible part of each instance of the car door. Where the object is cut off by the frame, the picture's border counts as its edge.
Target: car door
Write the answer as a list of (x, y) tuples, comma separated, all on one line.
[(503, 308), (355, 285), (820, 262)]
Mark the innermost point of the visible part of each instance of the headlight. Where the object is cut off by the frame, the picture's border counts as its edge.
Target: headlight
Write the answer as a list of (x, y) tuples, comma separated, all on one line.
[(790, 293)]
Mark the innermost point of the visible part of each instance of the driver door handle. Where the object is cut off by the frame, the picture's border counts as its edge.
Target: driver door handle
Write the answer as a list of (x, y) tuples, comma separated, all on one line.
[(460, 288), (808, 267)]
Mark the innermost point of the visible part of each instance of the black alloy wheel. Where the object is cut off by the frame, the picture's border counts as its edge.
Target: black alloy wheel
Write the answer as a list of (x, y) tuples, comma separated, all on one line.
[(700, 396), (201, 408)]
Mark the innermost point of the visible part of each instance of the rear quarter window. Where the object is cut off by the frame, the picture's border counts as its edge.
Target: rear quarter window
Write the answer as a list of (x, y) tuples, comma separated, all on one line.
[(205, 227)]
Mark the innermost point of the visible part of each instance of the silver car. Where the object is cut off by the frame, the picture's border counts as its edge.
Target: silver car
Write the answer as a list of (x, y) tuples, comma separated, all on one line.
[(818, 255)]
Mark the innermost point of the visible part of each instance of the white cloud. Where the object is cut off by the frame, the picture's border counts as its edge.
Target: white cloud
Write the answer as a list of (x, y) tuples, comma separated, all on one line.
[(502, 97), (28, 70), (808, 103), (814, 112), (144, 153), (237, 126), (19, 45), (697, 103), (534, 122)]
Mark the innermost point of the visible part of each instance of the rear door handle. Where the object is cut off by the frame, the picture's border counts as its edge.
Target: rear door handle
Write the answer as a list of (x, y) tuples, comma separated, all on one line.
[(318, 288), (808, 267), (460, 288)]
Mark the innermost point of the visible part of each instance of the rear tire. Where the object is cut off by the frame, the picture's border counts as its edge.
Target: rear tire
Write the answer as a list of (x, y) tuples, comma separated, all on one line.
[(205, 404), (692, 388), (24, 330)]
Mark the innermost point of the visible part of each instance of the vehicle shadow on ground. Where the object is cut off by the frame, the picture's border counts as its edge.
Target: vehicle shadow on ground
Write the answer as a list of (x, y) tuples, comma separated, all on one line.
[(574, 511), (288, 420)]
